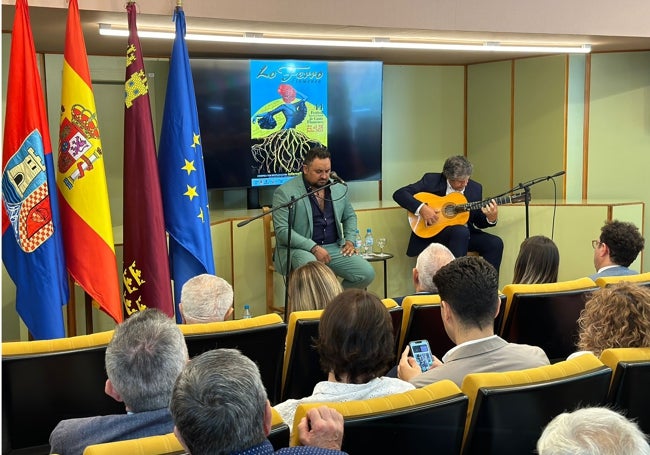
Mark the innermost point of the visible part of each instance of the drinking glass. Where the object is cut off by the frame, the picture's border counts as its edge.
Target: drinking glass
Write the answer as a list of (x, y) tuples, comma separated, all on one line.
[(381, 243)]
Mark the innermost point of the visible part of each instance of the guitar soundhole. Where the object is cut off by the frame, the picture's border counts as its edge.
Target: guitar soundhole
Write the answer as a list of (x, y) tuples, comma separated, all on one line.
[(449, 210)]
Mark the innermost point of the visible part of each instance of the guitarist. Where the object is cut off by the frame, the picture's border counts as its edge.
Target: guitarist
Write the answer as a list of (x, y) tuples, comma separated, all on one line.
[(460, 238)]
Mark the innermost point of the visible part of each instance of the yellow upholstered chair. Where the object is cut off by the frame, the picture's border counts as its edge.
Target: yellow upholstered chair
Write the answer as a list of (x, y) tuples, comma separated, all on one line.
[(168, 444), (301, 369), (546, 315), (630, 388), (269, 249), (396, 316), (426, 420), (261, 338), (46, 381), (508, 411), (642, 279)]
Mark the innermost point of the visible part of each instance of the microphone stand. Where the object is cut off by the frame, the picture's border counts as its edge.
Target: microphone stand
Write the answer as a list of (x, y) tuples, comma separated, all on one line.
[(526, 187), (290, 215)]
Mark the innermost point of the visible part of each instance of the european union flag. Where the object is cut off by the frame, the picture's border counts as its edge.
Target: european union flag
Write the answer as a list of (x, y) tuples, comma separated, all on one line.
[(182, 175)]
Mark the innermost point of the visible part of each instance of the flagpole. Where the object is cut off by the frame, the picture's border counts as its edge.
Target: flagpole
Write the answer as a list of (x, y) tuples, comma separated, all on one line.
[(71, 309)]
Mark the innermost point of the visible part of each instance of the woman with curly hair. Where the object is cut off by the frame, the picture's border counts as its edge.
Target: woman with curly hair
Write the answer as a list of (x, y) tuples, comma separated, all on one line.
[(356, 347), (617, 316)]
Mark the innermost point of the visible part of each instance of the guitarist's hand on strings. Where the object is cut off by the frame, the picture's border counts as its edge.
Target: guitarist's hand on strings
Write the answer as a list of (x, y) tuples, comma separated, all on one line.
[(491, 211), (429, 214)]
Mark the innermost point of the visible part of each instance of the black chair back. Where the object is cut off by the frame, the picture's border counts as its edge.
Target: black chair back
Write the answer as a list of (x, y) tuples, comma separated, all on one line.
[(40, 390), (303, 368), (264, 345), (510, 419), (425, 323), (630, 392), (548, 320)]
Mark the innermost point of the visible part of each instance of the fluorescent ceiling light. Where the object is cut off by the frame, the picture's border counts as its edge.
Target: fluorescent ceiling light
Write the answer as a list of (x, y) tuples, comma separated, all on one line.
[(376, 43)]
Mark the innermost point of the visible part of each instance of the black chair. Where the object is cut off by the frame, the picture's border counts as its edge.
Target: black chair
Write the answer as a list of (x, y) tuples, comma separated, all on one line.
[(396, 316), (262, 339), (39, 390), (301, 363), (546, 315), (421, 421), (509, 410), (422, 321), (630, 388)]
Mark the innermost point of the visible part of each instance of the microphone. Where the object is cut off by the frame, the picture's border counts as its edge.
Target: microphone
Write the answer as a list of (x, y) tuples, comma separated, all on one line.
[(334, 176), (557, 174)]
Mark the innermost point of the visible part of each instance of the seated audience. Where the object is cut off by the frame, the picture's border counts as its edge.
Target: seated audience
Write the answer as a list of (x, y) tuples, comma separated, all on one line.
[(143, 360), (356, 347), (537, 262), (592, 431), (468, 289), (312, 286), (618, 246), (220, 406), (617, 316), (206, 298), (427, 265)]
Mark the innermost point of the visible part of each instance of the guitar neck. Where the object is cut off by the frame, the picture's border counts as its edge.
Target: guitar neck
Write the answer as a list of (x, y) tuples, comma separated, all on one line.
[(480, 204)]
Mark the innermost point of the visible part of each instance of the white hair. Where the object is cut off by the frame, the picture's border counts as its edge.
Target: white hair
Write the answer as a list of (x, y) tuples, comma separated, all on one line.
[(206, 298), (429, 261), (592, 431)]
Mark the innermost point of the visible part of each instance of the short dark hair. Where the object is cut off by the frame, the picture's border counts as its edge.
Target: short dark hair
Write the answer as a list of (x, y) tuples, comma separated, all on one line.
[(470, 286), (316, 152), (355, 337), (624, 240), (457, 167)]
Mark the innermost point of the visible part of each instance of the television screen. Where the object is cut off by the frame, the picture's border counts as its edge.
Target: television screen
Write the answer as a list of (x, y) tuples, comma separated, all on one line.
[(259, 117)]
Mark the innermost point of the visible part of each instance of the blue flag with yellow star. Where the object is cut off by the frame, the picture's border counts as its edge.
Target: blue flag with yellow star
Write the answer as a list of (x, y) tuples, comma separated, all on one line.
[(182, 174)]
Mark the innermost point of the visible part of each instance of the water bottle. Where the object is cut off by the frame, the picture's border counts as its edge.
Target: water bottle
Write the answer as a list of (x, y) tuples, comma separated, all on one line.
[(247, 312), (357, 242), (368, 241)]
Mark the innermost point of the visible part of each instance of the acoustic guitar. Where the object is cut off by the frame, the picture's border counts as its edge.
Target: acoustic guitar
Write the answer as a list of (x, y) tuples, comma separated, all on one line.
[(454, 210)]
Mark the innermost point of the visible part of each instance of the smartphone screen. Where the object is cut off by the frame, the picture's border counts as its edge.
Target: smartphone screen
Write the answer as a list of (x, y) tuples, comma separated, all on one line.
[(422, 354)]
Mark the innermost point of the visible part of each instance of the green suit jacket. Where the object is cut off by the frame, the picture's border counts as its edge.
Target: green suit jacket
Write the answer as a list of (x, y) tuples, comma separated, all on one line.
[(346, 219)]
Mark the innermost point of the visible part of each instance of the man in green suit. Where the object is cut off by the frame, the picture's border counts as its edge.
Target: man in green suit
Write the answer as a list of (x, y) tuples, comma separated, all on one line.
[(323, 224)]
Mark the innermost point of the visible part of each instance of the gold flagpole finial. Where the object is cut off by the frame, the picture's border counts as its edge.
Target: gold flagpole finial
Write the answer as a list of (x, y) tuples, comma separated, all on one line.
[(179, 3)]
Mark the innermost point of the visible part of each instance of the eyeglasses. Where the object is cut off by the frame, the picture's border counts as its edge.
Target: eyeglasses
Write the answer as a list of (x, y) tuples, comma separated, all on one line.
[(596, 243)]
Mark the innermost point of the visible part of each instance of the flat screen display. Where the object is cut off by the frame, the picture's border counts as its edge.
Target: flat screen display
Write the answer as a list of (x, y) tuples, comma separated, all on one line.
[(259, 117)]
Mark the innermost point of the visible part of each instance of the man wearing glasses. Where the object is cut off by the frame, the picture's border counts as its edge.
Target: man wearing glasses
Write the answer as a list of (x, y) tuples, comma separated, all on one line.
[(458, 237), (618, 246)]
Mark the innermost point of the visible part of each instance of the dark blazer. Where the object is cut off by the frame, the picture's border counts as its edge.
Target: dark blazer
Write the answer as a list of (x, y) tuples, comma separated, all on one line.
[(436, 183)]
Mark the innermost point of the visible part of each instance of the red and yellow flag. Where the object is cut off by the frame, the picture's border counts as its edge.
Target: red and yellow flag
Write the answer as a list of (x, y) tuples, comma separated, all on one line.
[(81, 180)]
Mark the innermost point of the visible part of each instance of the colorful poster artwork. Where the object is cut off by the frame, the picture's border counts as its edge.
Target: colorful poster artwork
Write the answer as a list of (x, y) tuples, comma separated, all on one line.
[(289, 106)]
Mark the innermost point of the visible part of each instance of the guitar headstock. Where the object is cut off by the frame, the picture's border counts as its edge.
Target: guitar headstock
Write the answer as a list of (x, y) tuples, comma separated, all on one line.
[(519, 197)]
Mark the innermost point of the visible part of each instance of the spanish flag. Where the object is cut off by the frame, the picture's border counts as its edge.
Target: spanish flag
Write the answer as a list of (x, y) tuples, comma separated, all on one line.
[(32, 248), (81, 180)]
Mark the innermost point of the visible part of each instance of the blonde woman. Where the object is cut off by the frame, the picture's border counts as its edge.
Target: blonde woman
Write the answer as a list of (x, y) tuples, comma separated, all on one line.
[(617, 316), (312, 286)]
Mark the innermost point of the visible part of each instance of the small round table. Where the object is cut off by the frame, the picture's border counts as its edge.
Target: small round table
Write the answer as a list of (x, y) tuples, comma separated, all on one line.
[(376, 257)]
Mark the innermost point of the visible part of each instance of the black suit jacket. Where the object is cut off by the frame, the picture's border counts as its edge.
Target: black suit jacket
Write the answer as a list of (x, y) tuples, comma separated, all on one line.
[(436, 183)]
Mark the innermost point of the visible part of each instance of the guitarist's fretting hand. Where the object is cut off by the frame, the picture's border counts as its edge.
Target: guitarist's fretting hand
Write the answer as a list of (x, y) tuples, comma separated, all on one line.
[(491, 211), (429, 214)]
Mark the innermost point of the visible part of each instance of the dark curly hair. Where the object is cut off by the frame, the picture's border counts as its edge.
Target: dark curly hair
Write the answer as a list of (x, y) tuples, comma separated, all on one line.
[(355, 337), (623, 240), (470, 286)]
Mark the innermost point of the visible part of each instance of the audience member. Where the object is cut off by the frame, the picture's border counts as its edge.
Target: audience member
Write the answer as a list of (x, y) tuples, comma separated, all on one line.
[(592, 431), (616, 249), (143, 360), (356, 347), (427, 265), (538, 261), (220, 406), (312, 286), (617, 316), (468, 289), (206, 298)]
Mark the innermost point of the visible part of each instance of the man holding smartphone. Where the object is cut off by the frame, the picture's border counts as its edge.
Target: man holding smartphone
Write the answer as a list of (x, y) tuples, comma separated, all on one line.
[(468, 288)]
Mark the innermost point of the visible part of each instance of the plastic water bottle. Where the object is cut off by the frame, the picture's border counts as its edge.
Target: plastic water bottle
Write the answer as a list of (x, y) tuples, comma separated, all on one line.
[(369, 241), (247, 312), (357, 242)]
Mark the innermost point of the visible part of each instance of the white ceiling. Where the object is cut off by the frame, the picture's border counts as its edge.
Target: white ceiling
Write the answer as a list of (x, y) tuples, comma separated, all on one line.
[(48, 26)]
